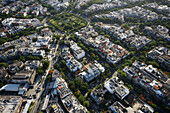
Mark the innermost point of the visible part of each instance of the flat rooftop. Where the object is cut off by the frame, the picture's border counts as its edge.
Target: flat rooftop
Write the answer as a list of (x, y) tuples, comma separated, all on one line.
[(9, 104)]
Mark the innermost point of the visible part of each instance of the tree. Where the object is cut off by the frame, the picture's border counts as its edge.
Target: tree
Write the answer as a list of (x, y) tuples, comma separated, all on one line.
[(91, 49), (77, 93), (45, 64), (97, 57), (2, 41), (63, 63), (86, 103), (22, 58), (84, 86), (154, 105), (92, 111), (62, 42), (106, 65), (40, 71), (57, 36), (109, 73), (4, 64), (34, 39), (141, 26), (1, 84), (77, 83), (56, 66), (15, 61), (117, 42), (130, 87), (49, 78), (63, 75), (125, 26), (81, 99)]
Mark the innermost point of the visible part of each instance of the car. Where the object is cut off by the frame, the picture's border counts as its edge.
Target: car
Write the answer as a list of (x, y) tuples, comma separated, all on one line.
[(30, 97)]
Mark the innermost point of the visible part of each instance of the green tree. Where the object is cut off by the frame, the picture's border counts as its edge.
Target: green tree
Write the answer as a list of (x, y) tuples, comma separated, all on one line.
[(130, 87), (34, 39), (154, 105), (63, 63), (1, 84), (22, 58), (49, 78), (86, 103), (40, 71), (2, 41), (106, 65), (92, 111), (141, 26), (45, 64), (84, 86), (81, 99), (125, 26), (4, 64), (77, 93), (56, 66)]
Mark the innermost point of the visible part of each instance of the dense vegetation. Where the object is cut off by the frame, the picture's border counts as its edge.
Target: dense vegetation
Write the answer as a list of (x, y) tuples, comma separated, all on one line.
[(26, 32), (68, 22)]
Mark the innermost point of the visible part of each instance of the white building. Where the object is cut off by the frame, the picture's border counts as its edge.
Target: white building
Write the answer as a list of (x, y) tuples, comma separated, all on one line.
[(77, 51), (115, 86), (74, 65)]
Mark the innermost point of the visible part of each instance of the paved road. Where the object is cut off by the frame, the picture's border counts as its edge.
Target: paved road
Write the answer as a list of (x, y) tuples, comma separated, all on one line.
[(43, 87)]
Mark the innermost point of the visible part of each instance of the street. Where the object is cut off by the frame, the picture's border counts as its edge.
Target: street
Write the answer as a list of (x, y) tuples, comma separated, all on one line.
[(43, 85)]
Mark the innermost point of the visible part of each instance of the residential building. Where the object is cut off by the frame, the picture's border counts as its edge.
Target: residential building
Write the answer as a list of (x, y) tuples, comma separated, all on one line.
[(10, 104), (138, 107), (74, 65), (162, 9), (125, 35), (77, 51), (69, 101), (155, 73), (94, 68), (27, 75), (88, 77), (71, 63), (31, 51), (161, 54), (105, 6), (97, 96), (117, 107), (58, 5), (150, 79), (134, 12), (32, 64), (3, 73), (116, 87), (21, 22), (157, 32), (15, 67), (105, 48)]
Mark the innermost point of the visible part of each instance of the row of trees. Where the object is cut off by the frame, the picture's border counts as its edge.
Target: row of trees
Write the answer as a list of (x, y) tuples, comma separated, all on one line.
[(76, 86), (50, 27), (107, 20), (26, 32), (30, 57), (43, 68), (88, 4)]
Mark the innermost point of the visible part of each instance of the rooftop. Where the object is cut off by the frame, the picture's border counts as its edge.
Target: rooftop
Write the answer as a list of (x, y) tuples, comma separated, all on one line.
[(10, 104), (115, 86)]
